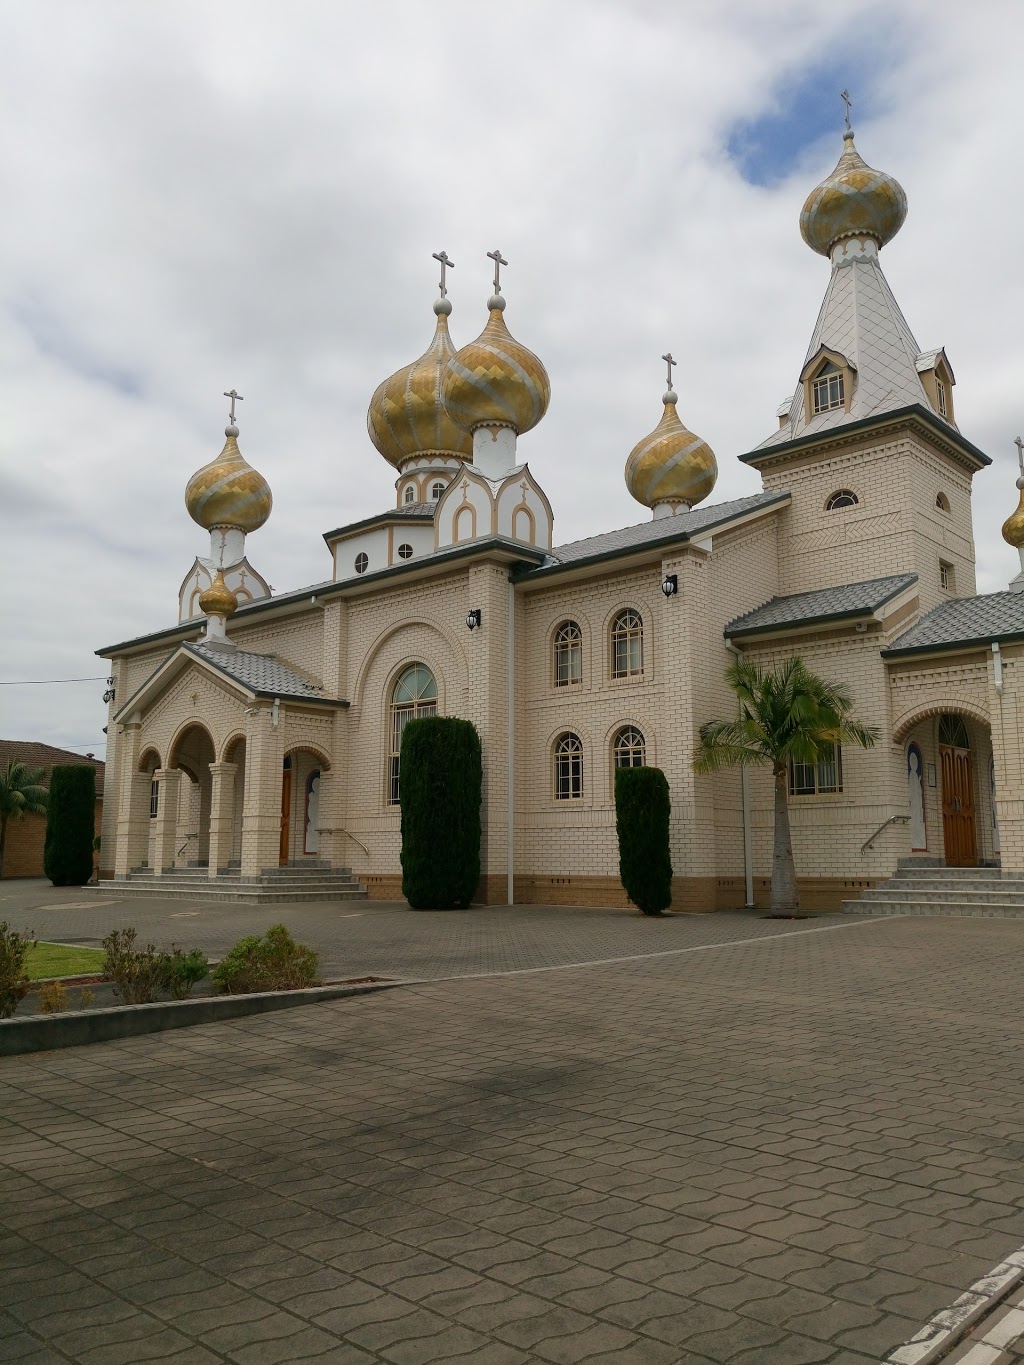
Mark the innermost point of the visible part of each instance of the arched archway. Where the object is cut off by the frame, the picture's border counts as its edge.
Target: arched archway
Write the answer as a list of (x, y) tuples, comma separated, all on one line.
[(303, 768), (946, 756), (193, 752)]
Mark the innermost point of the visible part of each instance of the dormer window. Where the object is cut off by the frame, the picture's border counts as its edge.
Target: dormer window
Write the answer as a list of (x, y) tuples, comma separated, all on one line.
[(410, 494), (842, 497), (940, 396), (827, 390)]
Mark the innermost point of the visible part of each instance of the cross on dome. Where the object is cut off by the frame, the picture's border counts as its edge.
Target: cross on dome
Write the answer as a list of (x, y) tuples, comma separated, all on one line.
[(1019, 443), (670, 362), (446, 264), (844, 95), (235, 398), (499, 261)]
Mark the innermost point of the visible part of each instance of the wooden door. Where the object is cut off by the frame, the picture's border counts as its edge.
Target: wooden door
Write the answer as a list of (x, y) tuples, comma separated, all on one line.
[(959, 834), (286, 814)]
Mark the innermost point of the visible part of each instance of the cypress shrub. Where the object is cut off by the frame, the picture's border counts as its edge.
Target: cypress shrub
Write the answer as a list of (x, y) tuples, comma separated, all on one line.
[(70, 816), (441, 780), (642, 809)]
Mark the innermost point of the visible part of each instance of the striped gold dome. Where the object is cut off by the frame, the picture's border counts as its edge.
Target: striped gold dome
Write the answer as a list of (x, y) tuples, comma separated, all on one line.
[(218, 599), (495, 380), (1013, 526), (406, 417), (671, 464), (228, 491), (854, 201)]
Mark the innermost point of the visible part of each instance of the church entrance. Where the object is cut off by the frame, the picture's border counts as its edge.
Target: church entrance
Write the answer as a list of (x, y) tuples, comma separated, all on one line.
[(959, 829), (286, 812)]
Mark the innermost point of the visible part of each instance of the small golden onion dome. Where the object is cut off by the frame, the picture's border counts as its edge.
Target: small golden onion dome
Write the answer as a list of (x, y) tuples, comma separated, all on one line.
[(495, 380), (218, 599), (228, 491), (854, 201), (671, 464), (406, 417), (1013, 526)]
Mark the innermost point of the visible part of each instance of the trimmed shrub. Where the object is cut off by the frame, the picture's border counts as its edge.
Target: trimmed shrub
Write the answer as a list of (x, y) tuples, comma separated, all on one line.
[(70, 818), (642, 810), (137, 973), (14, 982), (274, 962), (182, 971), (441, 782)]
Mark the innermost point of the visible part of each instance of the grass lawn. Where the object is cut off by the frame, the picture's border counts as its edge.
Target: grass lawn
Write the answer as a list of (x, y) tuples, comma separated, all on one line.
[(53, 959)]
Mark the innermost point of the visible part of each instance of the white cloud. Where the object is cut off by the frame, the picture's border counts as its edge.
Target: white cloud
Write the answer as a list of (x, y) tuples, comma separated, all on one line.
[(218, 194)]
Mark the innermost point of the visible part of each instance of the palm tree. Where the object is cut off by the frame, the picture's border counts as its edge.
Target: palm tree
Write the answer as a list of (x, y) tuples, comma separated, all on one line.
[(21, 794), (787, 715)]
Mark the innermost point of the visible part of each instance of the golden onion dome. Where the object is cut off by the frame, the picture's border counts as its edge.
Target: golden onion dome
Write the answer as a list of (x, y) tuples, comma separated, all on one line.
[(495, 380), (1013, 526), (218, 599), (406, 417), (228, 491), (671, 464), (854, 201)]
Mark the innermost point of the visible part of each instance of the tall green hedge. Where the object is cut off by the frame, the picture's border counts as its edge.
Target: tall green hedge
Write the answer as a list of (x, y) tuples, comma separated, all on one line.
[(70, 815), (441, 776), (642, 809)]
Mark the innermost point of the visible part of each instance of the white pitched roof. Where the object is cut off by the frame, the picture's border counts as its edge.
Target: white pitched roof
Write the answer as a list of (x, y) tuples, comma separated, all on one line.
[(860, 319)]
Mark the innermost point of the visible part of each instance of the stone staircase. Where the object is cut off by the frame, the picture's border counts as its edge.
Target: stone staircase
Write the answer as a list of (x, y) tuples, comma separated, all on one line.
[(920, 889), (276, 886)]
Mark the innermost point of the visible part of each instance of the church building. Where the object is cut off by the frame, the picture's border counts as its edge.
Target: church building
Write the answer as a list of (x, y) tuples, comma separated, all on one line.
[(256, 742)]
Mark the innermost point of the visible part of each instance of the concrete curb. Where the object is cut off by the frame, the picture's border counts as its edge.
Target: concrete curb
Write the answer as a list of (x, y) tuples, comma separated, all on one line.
[(41, 1033), (938, 1337)]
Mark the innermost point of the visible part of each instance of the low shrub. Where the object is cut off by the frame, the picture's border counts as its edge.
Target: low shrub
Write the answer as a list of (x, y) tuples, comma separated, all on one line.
[(14, 982), (274, 962), (642, 809), (53, 997), (137, 973), (182, 971), (85, 997)]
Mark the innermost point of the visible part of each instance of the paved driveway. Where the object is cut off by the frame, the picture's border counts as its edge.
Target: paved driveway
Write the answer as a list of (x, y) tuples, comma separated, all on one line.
[(792, 1147)]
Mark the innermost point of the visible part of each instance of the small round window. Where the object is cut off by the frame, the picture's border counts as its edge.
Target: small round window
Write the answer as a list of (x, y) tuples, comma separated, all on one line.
[(405, 550), (362, 562), (843, 497)]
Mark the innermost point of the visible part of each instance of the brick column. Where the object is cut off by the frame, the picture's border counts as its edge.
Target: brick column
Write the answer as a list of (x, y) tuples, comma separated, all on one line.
[(1007, 726), (131, 793), (261, 809), (222, 814), (168, 780)]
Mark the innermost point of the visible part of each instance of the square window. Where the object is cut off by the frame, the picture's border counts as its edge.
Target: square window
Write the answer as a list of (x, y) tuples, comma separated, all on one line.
[(947, 579)]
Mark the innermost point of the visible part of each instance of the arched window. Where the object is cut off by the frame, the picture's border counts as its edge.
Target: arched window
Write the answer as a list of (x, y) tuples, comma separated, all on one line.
[(410, 494), (627, 644), (569, 768), (629, 749), (953, 731), (414, 695), (942, 502), (568, 654), (827, 388), (436, 490), (842, 497)]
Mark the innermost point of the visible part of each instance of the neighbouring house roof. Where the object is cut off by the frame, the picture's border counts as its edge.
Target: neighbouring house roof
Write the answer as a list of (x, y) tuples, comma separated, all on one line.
[(658, 531), (35, 755), (823, 604), (964, 621)]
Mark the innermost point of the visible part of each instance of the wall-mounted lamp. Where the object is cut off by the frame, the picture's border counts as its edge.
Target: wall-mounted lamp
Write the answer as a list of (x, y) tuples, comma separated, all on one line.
[(670, 584), (473, 618)]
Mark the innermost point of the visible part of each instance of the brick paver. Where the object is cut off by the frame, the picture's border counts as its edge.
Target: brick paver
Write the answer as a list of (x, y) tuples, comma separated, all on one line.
[(795, 1149)]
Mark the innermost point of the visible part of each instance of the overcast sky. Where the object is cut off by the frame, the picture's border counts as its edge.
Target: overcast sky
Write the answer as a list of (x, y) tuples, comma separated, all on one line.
[(247, 193)]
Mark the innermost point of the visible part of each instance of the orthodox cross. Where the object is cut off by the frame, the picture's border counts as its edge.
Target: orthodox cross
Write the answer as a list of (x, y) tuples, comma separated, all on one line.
[(844, 95), (1019, 443), (446, 264), (667, 357), (499, 261), (235, 398)]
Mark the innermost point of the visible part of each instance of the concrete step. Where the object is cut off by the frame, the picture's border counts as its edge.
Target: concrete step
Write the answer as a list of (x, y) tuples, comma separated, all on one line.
[(950, 909), (895, 892), (958, 873), (251, 894)]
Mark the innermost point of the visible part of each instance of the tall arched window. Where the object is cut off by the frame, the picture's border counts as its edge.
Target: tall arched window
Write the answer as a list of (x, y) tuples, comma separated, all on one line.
[(414, 695), (568, 654), (629, 749), (568, 768), (627, 644)]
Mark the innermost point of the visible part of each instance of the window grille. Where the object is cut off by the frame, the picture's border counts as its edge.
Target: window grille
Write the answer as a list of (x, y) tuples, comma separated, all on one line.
[(568, 654), (817, 779), (569, 768), (827, 391), (627, 644), (629, 749)]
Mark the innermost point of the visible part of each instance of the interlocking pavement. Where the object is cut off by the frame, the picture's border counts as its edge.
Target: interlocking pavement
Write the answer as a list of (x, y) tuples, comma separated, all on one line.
[(795, 1146)]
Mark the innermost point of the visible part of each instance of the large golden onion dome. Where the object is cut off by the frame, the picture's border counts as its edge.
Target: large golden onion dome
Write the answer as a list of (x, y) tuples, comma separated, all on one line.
[(495, 380), (228, 491), (406, 417), (218, 599), (1013, 526), (671, 465), (854, 201)]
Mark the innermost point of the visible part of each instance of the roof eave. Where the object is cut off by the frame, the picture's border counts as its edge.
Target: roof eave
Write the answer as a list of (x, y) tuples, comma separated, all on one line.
[(381, 519), (807, 623), (946, 646), (937, 427)]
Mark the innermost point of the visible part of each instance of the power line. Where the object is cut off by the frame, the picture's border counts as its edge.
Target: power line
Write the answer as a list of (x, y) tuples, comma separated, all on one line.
[(42, 682)]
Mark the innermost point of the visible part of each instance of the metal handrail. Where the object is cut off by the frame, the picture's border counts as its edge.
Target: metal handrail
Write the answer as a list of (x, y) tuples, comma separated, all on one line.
[(338, 830), (185, 844), (892, 820)]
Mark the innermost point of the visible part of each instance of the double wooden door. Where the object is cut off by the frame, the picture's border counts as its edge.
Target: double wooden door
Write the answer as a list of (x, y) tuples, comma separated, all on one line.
[(959, 831)]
